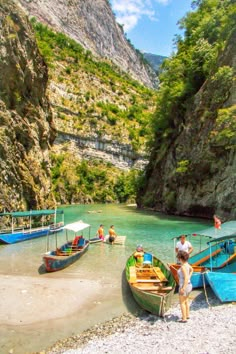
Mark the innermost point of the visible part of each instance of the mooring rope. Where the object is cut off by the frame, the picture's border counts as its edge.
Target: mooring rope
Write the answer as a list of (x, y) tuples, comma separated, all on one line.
[(204, 287)]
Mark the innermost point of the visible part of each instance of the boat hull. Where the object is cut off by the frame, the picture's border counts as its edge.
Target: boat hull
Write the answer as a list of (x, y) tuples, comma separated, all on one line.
[(54, 262), (157, 301), (119, 240), (15, 237), (198, 278), (95, 240), (223, 285)]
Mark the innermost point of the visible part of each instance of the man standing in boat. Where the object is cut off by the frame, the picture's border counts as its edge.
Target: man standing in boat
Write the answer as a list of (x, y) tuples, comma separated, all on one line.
[(183, 245)]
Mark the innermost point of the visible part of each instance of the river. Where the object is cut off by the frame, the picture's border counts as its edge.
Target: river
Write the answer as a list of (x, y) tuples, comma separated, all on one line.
[(102, 262)]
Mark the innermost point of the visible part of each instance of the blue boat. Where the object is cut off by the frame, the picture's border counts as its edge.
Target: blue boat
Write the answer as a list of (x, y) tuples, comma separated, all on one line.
[(219, 256), (23, 227), (65, 255), (221, 253), (198, 278), (223, 285)]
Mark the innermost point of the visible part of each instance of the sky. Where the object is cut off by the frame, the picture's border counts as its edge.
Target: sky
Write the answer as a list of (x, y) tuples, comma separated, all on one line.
[(151, 25)]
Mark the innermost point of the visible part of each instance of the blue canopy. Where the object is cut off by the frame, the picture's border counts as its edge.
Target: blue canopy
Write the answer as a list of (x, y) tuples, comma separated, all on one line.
[(22, 214), (227, 231)]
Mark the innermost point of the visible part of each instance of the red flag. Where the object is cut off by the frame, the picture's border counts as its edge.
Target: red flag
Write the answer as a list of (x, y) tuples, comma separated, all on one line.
[(217, 222)]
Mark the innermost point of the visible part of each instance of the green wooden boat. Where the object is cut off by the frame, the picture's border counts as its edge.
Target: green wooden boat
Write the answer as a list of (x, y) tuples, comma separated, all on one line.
[(151, 282)]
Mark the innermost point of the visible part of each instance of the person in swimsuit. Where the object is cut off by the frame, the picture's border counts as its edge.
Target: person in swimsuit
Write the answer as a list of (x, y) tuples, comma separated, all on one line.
[(112, 234), (185, 286), (100, 232)]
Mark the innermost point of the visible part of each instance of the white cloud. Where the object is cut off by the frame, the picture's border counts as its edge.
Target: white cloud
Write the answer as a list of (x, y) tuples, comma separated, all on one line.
[(163, 2), (129, 12)]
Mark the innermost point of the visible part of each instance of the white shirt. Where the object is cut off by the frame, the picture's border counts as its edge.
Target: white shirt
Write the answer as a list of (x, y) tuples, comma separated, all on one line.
[(183, 246)]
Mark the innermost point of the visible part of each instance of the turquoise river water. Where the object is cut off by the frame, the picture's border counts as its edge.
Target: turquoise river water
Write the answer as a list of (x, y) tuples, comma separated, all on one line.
[(102, 262)]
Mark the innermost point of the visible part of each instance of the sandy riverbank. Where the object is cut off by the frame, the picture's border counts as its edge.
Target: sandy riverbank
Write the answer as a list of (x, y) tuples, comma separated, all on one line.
[(42, 309), (35, 311), (28, 300)]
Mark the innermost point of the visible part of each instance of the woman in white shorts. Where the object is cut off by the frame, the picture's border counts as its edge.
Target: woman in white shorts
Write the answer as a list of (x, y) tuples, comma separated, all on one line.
[(185, 286)]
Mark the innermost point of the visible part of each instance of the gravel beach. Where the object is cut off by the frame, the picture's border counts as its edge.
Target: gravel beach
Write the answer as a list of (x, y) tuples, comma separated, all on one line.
[(211, 329)]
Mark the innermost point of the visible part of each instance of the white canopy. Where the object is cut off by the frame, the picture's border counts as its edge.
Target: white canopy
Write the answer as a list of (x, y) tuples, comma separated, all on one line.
[(76, 226)]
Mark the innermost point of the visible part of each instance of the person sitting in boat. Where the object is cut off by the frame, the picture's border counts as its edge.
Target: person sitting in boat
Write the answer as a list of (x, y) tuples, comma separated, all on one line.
[(112, 234), (183, 245), (138, 255), (76, 240), (100, 232)]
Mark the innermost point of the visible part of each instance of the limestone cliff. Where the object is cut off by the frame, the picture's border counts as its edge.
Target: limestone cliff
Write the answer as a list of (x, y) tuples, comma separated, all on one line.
[(92, 24), (195, 174), (26, 126)]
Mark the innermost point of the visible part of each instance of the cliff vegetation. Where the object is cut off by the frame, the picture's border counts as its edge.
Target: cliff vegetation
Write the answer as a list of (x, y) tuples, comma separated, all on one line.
[(192, 170), (92, 98)]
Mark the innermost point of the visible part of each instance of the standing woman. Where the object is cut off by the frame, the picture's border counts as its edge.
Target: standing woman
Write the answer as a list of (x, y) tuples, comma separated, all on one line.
[(185, 286)]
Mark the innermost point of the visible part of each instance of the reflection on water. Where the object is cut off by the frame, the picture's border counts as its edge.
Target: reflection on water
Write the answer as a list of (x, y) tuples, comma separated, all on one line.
[(102, 262)]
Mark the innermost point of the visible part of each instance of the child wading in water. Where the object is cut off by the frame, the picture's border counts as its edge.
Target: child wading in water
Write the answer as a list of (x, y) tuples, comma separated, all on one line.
[(185, 286)]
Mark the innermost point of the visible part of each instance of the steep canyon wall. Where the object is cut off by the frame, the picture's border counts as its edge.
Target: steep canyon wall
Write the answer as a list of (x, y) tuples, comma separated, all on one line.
[(26, 125), (195, 175)]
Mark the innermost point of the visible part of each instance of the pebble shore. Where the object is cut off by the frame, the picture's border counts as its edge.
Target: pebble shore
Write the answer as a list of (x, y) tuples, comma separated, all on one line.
[(211, 329)]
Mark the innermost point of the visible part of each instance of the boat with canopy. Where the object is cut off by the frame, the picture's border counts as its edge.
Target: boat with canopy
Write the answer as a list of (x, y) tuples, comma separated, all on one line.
[(219, 256), (65, 255), (26, 225)]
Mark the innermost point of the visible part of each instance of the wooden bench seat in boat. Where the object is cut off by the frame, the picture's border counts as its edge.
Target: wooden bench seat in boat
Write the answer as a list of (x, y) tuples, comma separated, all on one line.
[(153, 288), (159, 273), (148, 281), (146, 275), (63, 253), (152, 271), (206, 258), (132, 274)]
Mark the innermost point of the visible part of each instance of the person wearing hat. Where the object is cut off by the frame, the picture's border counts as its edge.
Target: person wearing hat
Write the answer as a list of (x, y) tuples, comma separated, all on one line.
[(100, 232), (138, 254)]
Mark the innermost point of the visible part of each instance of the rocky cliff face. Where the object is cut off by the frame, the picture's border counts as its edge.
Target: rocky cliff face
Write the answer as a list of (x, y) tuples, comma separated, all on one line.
[(196, 175), (92, 24), (26, 127)]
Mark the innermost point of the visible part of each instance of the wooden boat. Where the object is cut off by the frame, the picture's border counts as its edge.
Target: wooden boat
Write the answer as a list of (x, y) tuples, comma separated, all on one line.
[(152, 284), (30, 229), (94, 211), (95, 240), (198, 277), (221, 252), (119, 240), (223, 285), (69, 252)]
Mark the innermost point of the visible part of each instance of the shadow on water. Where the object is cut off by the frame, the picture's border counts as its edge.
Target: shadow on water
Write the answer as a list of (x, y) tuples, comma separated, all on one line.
[(160, 215)]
